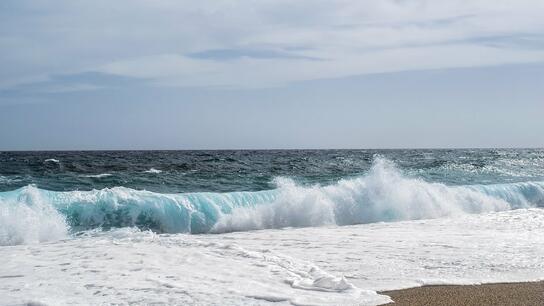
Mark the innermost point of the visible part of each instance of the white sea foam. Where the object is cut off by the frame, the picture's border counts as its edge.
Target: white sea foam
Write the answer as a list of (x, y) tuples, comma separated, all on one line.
[(30, 219), (101, 175), (384, 194), (306, 266), (153, 171)]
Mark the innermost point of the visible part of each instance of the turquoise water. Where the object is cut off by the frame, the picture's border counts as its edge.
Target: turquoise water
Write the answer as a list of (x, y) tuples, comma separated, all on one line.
[(221, 191)]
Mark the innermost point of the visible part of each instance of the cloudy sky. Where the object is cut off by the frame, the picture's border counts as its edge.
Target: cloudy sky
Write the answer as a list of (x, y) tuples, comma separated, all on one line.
[(165, 74)]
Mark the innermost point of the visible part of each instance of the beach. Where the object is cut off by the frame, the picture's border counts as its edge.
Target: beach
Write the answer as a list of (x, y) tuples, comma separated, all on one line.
[(271, 153), (122, 228), (525, 293)]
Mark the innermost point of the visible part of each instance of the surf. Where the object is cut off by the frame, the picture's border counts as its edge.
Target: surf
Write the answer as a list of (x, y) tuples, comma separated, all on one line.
[(384, 194)]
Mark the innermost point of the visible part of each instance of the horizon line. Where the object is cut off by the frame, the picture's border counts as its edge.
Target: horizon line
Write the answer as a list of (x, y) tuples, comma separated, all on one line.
[(277, 149)]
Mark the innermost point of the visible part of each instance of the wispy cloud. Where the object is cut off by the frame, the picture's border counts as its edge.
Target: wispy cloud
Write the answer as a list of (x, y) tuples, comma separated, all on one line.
[(259, 43), (233, 54), (84, 81)]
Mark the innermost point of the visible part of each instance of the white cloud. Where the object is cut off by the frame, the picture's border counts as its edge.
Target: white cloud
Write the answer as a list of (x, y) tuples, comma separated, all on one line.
[(151, 39)]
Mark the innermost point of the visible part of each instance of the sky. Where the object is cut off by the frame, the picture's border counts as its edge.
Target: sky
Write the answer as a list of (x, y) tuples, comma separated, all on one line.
[(165, 74)]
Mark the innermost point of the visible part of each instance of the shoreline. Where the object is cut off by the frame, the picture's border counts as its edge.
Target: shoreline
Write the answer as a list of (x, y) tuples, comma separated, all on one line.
[(522, 293)]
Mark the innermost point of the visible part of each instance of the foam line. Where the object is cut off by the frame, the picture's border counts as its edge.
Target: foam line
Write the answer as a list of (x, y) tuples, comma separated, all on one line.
[(383, 194)]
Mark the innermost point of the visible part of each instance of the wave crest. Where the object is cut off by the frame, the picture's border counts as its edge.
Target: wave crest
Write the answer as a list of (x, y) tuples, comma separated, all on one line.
[(27, 217), (384, 194)]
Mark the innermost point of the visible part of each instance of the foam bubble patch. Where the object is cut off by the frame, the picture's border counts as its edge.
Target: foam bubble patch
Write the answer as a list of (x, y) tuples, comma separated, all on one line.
[(29, 218)]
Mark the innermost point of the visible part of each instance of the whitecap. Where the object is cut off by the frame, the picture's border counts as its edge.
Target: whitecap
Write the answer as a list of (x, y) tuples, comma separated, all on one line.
[(30, 218), (97, 175), (383, 194)]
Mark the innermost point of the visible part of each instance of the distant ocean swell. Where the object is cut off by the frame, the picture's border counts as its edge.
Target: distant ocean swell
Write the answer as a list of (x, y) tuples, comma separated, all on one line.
[(29, 214)]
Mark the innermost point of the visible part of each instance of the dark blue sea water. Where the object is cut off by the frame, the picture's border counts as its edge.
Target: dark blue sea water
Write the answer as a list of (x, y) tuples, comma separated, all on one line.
[(220, 191), (228, 171)]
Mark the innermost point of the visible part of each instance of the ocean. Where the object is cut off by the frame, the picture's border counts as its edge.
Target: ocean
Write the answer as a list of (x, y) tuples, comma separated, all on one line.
[(287, 227)]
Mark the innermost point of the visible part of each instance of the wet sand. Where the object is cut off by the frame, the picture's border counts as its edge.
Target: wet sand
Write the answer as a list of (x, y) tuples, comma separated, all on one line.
[(531, 293)]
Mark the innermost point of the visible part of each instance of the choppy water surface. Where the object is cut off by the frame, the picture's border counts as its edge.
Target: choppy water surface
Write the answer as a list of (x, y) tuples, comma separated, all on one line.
[(479, 213), (227, 171), (47, 195)]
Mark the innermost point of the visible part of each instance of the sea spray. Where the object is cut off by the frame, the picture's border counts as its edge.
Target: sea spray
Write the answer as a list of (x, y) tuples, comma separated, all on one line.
[(30, 214), (29, 218), (384, 194)]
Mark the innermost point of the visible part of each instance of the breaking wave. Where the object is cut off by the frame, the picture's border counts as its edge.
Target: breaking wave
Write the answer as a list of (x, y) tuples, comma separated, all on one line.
[(101, 175), (153, 171), (31, 215), (27, 217)]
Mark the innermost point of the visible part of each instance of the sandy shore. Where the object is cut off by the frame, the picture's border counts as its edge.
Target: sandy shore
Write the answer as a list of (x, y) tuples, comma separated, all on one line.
[(489, 294)]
